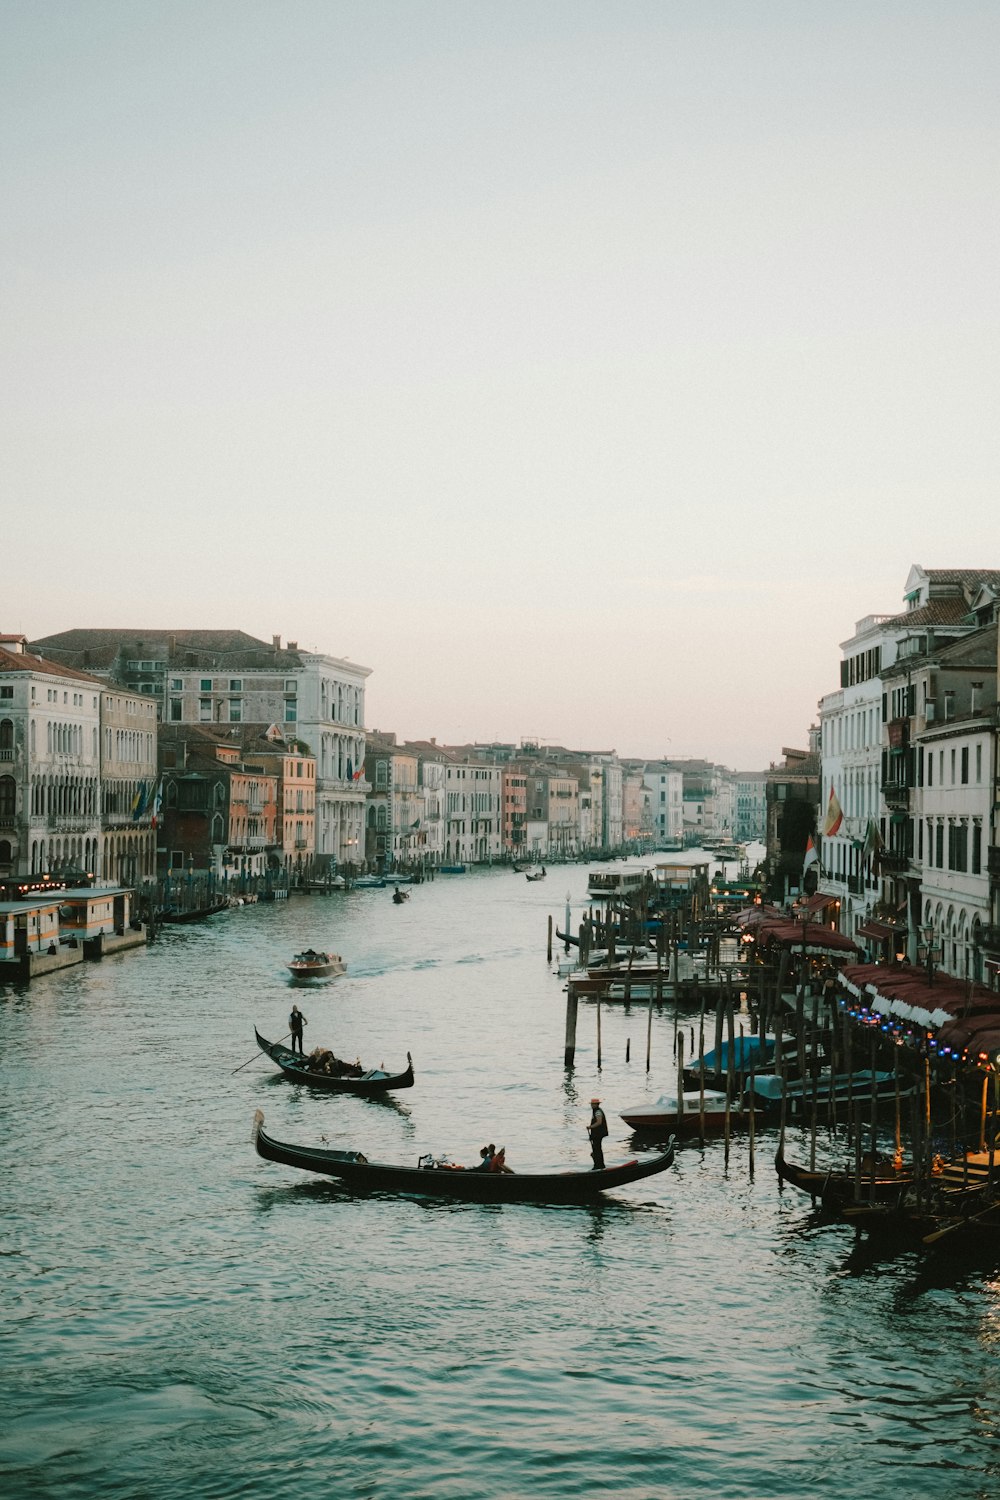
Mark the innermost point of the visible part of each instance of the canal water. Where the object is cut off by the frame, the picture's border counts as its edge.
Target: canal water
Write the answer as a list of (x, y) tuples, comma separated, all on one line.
[(183, 1319)]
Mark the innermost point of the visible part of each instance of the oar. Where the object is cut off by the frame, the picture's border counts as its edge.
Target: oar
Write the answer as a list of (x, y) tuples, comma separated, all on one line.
[(257, 1054), (930, 1239)]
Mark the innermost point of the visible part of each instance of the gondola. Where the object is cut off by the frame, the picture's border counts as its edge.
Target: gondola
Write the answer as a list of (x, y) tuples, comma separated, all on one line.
[(835, 1189), (448, 1181), (371, 1081), (191, 914), (400, 896)]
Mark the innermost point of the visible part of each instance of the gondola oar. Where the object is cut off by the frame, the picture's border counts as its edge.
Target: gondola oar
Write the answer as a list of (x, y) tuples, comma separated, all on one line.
[(939, 1234), (257, 1054)]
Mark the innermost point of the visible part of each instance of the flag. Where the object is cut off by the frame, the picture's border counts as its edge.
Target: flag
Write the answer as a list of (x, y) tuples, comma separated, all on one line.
[(139, 801), (812, 858), (157, 803), (359, 772), (415, 825), (873, 841), (834, 815)]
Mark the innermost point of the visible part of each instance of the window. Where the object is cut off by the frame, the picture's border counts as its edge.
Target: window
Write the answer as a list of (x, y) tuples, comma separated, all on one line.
[(206, 684), (6, 691), (235, 710), (979, 764), (965, 765), (175, 710), (236, 684), (205, 710), (953, 768), (291, 711), (290, 686), (176, 685)]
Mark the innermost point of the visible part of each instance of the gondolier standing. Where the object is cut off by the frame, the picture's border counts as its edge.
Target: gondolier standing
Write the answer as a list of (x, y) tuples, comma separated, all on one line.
[(296, 1021), (597, 1130)]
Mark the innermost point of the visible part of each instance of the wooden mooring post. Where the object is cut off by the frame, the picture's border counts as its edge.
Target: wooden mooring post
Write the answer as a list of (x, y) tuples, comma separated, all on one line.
[(572, 1002)]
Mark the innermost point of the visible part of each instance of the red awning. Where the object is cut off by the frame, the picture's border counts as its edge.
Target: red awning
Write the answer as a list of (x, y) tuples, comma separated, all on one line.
[(816, 903), (963, 1016), (880, 932), (808, 937)]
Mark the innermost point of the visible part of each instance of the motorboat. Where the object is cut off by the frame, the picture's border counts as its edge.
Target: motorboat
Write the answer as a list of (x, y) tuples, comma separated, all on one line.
[(313, 965)]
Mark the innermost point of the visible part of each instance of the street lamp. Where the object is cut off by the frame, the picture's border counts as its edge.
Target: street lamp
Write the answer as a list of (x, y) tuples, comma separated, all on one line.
[(928, 951)]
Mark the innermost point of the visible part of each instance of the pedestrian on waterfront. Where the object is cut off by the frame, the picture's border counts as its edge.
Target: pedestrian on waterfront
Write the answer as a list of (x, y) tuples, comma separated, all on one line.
[(597, 1130), (296, 1021)]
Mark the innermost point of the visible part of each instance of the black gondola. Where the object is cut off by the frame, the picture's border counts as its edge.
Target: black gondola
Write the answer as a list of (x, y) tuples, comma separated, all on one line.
[(373, 1081), (882, 1183), (448, 1181), (190, 914)]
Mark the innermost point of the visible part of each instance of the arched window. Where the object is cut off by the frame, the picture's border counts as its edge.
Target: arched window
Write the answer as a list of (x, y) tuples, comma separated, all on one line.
[(6, 734), (8, 799)]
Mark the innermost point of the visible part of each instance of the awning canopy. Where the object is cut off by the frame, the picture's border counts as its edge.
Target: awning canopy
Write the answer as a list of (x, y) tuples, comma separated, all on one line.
[(881, 932), (810, 938), (964, 1016), (816, 903)]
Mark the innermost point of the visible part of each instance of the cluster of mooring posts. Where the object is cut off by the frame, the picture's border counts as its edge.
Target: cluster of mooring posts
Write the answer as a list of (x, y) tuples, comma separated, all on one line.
[(800, 1032)]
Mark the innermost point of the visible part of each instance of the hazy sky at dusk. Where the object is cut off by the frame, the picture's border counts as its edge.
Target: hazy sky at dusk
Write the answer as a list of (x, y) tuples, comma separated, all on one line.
[(585, 370)]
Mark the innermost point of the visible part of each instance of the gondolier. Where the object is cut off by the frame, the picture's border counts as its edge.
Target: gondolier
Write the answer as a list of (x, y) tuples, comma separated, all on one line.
[(597, 1130), (296, 1021)]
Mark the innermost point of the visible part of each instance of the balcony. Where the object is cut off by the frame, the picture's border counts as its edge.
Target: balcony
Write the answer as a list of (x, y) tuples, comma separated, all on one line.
[(893, 862), (896, 794), (989, 939)]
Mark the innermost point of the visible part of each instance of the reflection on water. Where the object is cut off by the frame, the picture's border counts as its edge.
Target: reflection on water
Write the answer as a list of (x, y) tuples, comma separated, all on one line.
[(182, 1318)]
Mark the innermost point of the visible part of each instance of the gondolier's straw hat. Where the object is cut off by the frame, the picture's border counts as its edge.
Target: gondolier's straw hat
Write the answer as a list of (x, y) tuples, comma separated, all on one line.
[(595, 1101)]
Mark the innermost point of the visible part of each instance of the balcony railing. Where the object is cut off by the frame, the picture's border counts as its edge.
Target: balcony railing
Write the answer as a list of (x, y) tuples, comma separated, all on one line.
[(893, 861), (896, 793)]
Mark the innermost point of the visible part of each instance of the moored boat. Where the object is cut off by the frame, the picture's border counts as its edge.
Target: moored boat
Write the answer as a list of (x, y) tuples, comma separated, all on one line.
[(438, 1179), (334, 1077), (699, 1109), (826, 1092), (192, 913), (870, 1181), (313, 965)]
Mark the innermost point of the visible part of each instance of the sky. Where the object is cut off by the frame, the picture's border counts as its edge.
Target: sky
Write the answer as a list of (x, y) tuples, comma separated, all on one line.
[(585, 370)]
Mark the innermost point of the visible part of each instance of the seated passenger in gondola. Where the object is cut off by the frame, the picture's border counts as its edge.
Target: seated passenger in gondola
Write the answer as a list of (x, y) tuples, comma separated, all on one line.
[(486, 1154)]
